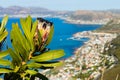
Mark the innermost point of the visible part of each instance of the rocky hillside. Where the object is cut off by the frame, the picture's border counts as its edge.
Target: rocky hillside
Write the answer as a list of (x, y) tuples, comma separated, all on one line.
[(91, 15), (112, 26), (113, 49)]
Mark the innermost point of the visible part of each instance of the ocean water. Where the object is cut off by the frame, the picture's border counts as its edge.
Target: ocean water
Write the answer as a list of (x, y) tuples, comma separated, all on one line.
[(62, 31)]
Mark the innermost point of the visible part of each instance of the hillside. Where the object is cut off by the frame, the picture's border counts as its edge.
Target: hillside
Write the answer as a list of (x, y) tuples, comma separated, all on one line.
[(92, 16), (113, 48), (95, 15), (112, 26)]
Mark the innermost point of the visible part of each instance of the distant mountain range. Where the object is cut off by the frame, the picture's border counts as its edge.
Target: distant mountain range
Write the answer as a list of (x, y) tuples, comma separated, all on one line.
[(86, 15), (16, 10), (95, 15)]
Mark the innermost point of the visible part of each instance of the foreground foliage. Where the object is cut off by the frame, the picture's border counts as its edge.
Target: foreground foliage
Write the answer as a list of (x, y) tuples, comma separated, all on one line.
[(3, 32), (29, 52)]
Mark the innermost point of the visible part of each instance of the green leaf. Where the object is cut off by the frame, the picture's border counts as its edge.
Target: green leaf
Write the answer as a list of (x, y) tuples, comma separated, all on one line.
[(16, 59), (29, 30), (34, 65), (5, 70), (22, 45), (33, 29), (3, 36), (50, 55), (3, 24), (50, 35), (5, 62), (29, 26), (29, 23), (38, 65), (31, 72), (4, 53), (25, 28), (3, 32), (51, 64), (39, 38), (19, 37)]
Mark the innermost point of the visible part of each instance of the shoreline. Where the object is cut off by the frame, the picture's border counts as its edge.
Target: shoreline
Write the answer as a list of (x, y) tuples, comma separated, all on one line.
[(88, 59), (67, 19), (89, 22)]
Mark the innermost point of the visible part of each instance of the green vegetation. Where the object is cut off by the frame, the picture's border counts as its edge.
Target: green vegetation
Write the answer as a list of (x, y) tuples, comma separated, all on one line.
[(114, 49), (113, 73), (3, 32), (29, 52), (112, 26)]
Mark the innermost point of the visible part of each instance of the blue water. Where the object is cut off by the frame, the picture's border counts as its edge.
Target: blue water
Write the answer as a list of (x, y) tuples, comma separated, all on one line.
[(62, 32)]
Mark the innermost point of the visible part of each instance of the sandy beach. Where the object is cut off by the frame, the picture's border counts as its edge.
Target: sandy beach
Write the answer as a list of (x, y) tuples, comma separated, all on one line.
[(88, 62)]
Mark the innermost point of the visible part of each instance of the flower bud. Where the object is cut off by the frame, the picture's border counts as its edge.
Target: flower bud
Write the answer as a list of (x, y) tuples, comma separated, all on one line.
[(42, 32)]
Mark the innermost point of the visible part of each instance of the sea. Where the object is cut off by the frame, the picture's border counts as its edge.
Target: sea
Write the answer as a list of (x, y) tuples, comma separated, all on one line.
[(62, 32)]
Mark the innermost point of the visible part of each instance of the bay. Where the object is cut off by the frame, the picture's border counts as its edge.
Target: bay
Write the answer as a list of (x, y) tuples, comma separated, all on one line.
[(62, 31)]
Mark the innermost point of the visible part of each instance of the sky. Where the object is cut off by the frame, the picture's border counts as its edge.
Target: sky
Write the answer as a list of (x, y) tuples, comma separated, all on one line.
[(65, 4)]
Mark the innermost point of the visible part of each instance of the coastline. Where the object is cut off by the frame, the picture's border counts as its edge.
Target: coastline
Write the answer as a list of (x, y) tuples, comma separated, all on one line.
[(67, 72), (90, 22), (67, 19), (88, 62)]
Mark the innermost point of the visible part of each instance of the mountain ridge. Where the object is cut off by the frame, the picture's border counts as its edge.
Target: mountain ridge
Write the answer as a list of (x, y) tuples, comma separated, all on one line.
[(79, 16)]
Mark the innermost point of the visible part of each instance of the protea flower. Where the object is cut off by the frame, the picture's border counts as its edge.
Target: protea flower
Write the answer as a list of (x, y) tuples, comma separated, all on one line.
[(42, 33)]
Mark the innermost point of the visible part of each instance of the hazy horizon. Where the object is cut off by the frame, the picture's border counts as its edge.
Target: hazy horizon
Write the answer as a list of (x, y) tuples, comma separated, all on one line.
[(62, 10), (62, 5)]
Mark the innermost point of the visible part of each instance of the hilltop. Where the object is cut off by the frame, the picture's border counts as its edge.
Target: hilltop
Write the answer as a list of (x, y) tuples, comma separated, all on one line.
[(93, 16)]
